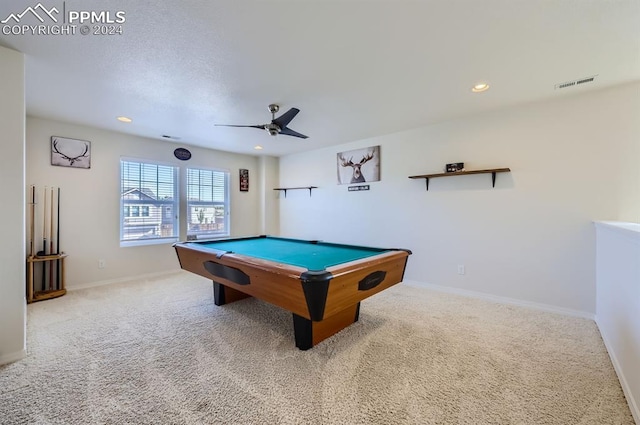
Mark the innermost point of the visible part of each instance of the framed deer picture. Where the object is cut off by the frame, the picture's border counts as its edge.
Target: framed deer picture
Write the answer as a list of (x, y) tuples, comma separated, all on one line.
[(70, 152), (359, 166)]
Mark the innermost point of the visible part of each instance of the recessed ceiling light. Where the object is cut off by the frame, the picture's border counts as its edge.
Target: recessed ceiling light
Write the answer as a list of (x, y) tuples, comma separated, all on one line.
[(480, 87), (124, 119), (257, 147)]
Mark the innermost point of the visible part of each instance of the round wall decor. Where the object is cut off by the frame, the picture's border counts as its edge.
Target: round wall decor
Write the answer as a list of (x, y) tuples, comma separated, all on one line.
[(182, 154)]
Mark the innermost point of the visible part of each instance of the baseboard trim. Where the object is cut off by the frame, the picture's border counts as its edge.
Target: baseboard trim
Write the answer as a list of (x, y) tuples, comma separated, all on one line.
[(626, 389), (13, 357), (503, 300), (122, 280)]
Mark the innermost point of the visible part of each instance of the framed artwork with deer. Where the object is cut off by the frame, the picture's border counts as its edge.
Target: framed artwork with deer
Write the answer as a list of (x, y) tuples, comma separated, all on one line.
[(358, 166), (67, 152)]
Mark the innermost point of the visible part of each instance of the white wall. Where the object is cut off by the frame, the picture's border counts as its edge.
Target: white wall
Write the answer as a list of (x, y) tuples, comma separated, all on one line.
[(531, 238), (12, 208), (89, 218), (269, 206), (618, 302)]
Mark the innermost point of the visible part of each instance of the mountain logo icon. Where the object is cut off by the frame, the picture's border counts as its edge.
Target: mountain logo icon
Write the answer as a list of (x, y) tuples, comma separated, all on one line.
[(38, 11)]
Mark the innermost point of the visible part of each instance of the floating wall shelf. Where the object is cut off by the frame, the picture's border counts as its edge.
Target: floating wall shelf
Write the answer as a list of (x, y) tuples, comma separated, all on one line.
[(295, 188), (492, 171)]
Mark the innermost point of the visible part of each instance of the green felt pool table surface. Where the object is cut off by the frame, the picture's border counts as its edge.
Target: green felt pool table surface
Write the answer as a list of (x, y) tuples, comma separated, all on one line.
[(301, 253)]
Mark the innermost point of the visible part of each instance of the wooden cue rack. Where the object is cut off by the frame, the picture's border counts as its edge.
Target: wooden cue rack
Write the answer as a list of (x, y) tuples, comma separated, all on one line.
[(50, 259), (32, 295)]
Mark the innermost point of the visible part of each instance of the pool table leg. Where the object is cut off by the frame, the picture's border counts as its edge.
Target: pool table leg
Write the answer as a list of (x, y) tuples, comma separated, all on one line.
[(224, 295), (309, 333)]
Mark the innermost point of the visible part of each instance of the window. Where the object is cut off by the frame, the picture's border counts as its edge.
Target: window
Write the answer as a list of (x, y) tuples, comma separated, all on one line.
[(207, 203), (148, 202)]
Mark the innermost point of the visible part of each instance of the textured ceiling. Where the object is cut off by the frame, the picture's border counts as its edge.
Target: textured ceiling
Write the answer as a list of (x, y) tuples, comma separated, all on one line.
[(354, 68)]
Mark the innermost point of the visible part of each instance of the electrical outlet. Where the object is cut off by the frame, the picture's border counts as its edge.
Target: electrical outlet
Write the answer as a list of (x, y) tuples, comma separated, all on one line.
[(102, 264), (460, 268)]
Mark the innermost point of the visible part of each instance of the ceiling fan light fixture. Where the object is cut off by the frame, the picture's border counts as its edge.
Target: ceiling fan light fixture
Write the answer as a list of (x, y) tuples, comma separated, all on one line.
[(124, 119), (272, 128)]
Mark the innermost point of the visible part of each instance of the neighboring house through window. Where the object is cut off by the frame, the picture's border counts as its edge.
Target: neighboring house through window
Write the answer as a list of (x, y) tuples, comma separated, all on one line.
[(149, 202)]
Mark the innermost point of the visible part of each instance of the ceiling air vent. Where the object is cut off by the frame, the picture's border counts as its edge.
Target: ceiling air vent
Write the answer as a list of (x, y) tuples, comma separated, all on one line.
[(575, 82), (166, 136)]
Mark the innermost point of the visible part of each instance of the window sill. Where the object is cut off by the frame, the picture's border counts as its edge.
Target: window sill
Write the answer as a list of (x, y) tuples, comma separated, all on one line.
[(209, 237), (145, 242)]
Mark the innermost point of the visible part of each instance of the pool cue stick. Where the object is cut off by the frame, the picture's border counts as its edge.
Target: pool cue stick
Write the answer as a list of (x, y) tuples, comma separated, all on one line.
[(59, 274), (44, 240), (33, 218), (51, 241), (32, 227)]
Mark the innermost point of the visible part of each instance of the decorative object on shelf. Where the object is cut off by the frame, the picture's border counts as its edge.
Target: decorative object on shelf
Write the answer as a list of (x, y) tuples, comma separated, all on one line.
[(358, 188), (67, 152), (182, 154), (454, 167), (284, 189), (51, 274), (493, 172), (244, 180), (350, 172)]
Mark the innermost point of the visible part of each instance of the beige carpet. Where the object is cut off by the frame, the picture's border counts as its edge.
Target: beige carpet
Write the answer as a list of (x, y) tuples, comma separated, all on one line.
[(160, 352)]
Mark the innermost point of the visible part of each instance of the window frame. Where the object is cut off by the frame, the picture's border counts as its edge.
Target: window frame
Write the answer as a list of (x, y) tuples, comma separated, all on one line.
[(160, 203), (225, 203)]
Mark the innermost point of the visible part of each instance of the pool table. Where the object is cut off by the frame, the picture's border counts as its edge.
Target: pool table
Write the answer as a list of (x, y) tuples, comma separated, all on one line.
[(321, 283)]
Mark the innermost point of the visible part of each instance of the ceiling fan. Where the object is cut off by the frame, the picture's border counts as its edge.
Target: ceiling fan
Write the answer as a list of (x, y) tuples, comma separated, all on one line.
[(277, 125)]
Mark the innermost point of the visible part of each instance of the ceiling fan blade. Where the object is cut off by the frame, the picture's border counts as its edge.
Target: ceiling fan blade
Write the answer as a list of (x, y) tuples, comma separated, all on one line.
[(286, 118), (287, 131), (262, 127)]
